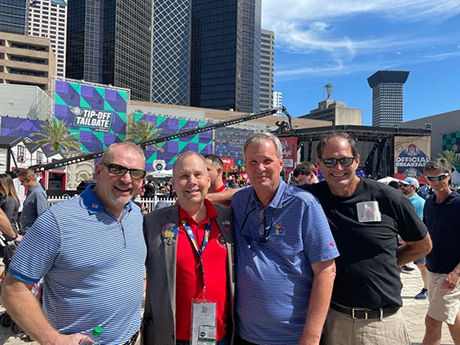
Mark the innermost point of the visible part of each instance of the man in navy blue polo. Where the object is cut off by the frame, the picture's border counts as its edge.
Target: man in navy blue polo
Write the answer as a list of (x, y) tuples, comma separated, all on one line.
[(442, 217)]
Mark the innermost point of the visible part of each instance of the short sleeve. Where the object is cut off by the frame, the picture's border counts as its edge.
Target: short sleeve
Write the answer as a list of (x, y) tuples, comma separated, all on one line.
[(38, 250), (319, 243), (411, 228)]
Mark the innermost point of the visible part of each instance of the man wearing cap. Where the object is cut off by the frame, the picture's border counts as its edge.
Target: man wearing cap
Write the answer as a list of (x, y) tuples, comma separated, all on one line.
[(442, 217), (189, 263), (409, 187)]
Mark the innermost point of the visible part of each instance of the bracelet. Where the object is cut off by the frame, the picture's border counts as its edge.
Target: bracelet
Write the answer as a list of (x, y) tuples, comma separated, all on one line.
[(13, 238)]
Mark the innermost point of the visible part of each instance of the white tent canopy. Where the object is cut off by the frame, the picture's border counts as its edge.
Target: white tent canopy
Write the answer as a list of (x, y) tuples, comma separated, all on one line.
[(388, 179), (455, 178)]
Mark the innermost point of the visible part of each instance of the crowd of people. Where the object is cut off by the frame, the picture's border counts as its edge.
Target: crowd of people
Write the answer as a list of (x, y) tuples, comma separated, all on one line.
[(272, 263)]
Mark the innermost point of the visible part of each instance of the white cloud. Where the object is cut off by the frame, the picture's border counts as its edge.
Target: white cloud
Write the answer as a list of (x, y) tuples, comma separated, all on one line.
[(305, 26), (441, 56)]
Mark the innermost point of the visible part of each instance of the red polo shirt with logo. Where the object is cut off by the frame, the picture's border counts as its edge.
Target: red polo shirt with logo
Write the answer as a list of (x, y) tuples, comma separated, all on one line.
[(189, 280)]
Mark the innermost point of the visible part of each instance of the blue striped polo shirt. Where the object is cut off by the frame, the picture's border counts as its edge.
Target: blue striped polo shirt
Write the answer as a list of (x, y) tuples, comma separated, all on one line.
[(274, 278), (92, 264)]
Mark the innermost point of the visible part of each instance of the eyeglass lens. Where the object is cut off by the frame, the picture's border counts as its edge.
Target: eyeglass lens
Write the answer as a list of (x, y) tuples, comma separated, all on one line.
[(332, 162), (120, 170), (437, 178)]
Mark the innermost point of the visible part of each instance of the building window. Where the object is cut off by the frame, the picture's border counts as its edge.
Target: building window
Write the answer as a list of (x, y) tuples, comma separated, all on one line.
[(39, 157), (21, 153)]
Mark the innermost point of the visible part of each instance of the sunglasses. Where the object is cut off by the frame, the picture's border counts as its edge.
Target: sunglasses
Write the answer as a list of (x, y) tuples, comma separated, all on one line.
[(332, 162), (120, 170), (438, 177)]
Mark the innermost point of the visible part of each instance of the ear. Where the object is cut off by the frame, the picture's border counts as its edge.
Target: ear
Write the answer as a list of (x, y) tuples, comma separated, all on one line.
[(219, 171), (97, 171), (318, 161), (358, 159)]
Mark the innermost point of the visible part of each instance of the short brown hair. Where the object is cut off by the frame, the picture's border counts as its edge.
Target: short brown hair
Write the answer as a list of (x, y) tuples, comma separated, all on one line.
[(304, 168), (344, 135), (438, 164), (27, 174)]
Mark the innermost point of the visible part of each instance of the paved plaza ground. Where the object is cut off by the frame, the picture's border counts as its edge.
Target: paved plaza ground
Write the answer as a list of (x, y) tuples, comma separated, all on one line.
[(413, 310)]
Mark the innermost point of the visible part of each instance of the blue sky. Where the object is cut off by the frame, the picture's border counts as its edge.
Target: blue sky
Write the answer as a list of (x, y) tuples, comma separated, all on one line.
[(343, 42)]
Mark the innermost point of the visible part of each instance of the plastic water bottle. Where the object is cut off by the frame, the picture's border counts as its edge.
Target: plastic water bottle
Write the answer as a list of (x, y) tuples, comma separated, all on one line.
[(95, 336)]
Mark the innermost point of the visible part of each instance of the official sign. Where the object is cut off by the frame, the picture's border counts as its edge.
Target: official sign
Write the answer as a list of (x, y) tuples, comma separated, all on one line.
[(411, 156)]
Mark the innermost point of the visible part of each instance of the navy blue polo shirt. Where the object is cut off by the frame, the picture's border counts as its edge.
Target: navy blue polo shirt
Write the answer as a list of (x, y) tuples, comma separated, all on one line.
[(443, 222)]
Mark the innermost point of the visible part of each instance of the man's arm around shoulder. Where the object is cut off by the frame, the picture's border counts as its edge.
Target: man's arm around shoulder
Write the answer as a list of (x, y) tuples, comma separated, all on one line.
[(320, 298), (26, 311)]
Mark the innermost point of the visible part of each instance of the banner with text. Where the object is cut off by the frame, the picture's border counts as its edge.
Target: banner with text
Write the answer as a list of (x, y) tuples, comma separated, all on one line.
[(411, 156)]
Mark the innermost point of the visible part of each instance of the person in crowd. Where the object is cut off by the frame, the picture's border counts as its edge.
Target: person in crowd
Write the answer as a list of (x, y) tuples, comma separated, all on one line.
[(305, 172), (189, 263), (285, 254), (91, 252), (409, 188), (394, 184), (442, 217), (7, 229), (215, 171), (9, 201), (366, 217), (149, 189), (36, 200)]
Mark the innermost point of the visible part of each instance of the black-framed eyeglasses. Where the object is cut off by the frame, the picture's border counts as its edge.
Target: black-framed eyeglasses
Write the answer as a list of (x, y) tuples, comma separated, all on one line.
[(120, 170), (332, 162), (439, 177)]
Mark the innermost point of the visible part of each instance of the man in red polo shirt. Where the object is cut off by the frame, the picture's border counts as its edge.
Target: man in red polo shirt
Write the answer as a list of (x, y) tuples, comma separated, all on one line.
[(215, 170), (189, 287)]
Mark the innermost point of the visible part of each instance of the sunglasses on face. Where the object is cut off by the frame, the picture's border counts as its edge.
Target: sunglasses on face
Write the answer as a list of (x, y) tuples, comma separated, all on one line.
[(438, 177), (120, 170), (332, 162)]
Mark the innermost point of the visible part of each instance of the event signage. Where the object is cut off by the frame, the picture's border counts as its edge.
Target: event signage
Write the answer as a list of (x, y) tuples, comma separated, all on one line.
[(289, 146), (98, 120), (411, 156)]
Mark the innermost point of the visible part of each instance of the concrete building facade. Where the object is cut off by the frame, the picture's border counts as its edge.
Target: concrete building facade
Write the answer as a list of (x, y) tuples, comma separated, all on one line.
[(267, 67), (440, 125), (337, 112), (387, 97), (26, 60), (48, 19)]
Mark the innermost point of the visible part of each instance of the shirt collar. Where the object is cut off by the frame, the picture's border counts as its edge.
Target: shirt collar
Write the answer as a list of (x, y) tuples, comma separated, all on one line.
[(221, 189), (92, 202), (276, 201), (210, 213)]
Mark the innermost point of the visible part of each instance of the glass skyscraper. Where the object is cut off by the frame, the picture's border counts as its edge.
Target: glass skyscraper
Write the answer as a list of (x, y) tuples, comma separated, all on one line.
[(13, 16), (225, 58), (109, 42), (171, 51), (387, 97)]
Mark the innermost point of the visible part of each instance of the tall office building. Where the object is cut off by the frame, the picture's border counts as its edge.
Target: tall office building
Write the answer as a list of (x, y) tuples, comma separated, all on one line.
[(13, 16), (225, 58), (277, 100), (387, 97), (109, 42), (267, 65), (48, 18), (171, 51)]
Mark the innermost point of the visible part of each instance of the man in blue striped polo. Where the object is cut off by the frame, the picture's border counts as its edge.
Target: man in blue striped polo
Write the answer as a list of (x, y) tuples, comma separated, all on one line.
[(284, 254), (90, 250)]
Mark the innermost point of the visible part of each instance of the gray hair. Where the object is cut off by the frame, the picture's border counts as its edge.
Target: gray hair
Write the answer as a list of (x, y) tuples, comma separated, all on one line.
[(108, 154), (438, 164), (259, 138)]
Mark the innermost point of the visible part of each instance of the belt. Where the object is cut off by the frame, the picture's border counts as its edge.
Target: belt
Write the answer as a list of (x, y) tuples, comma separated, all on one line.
[(133, 339), (365, 314)]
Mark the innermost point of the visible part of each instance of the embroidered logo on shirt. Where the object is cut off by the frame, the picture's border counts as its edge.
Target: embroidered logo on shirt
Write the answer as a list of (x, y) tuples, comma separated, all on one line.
[(279, 230), (93, 205)]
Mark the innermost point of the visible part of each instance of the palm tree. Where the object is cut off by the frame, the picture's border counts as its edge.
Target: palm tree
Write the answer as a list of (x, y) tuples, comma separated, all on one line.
[(143, 130), (451, 157), (56, 134)]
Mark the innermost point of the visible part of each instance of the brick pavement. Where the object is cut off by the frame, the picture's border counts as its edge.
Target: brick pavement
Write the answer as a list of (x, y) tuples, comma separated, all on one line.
[(414, 313)]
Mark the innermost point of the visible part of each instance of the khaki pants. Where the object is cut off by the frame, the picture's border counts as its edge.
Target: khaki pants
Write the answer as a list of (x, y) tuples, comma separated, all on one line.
[(341, 329)]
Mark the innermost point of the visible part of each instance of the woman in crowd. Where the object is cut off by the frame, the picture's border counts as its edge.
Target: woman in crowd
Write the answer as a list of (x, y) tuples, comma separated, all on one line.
[(9, 201)]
